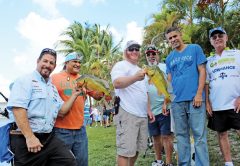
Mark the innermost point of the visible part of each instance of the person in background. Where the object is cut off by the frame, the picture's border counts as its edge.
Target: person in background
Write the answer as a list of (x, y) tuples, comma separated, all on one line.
[(223, 72), (95, 115), (69, 127), (160, 130), (105, 117), (35, 104), (100, 109), (186, 69), (91, 116), (131, 120)]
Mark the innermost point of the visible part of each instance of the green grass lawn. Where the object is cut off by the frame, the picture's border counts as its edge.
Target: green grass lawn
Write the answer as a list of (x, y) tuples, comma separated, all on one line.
[(102, 148)]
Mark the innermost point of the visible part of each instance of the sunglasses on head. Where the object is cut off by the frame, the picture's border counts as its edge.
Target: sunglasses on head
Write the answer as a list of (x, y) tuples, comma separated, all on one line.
[(49, 50), (219, 35), (133, 49), (151, 53)]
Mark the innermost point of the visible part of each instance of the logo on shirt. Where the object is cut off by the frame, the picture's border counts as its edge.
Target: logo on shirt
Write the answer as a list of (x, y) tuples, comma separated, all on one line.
[(223, 75), (213, 64), (223, 68)]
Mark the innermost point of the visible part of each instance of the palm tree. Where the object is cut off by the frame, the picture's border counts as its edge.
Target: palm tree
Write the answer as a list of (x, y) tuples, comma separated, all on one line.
[(96, 46)]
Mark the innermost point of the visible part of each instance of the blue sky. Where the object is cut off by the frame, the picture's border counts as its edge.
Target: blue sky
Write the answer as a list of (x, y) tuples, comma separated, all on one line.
[(28, 26)]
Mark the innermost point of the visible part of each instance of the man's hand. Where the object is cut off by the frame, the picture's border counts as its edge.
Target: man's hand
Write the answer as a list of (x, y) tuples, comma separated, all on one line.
[(165, 111), (209, 108), (237, 105), (151, 117), (33, 144), (77, 91), (140, 75), (197, 101)]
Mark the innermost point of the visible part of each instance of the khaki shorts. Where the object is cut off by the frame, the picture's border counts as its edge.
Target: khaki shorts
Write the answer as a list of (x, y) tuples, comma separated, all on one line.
[(131, 133)]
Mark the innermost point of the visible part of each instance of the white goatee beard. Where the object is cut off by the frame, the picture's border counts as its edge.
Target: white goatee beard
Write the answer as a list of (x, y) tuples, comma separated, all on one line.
[(152, 64)]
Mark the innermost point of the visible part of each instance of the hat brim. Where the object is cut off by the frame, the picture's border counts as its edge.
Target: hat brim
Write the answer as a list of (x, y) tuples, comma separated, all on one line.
[(73, 60), (134, 45), (217, 31), (156, 51)]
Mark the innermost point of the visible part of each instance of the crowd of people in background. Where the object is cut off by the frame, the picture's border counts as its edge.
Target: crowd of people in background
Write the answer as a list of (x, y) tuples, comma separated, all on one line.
[(100, 115), (49, 111)]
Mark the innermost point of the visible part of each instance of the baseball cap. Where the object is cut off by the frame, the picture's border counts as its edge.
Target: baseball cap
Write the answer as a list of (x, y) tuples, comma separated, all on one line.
[(151, 48), (132, 43), (215, 30), (73, 56)]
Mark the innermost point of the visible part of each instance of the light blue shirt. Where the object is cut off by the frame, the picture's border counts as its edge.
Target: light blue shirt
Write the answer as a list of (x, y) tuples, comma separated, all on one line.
[(40, 99)]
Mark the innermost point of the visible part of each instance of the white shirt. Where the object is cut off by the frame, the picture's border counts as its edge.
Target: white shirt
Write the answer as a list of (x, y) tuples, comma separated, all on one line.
[(134, 97), (223, 75)]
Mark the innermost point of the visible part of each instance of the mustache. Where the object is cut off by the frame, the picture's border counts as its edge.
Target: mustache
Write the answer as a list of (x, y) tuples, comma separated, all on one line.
[(47, 68)]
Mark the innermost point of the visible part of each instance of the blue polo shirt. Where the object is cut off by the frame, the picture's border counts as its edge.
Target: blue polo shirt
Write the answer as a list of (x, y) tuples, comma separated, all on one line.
[(39, 98)]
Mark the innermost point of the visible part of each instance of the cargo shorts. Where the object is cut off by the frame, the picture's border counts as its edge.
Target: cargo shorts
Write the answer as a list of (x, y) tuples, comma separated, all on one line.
[(131, 133)]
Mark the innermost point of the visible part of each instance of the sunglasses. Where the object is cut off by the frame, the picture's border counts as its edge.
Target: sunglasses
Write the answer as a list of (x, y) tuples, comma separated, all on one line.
[(151, 53), (214, 37), (49, 50), (133, 49)]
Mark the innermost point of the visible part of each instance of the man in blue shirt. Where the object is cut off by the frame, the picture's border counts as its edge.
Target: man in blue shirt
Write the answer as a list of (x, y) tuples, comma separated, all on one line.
[(34, 103), (187, 72)]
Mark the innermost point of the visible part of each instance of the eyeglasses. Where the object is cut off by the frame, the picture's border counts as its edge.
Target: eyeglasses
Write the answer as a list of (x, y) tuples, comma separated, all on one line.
[(49, 50), (214, 37), (133, 49), (151, 53)]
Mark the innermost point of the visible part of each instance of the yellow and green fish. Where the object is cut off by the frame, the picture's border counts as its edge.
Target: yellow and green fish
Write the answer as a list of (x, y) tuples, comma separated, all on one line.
[(95, 84), (156, 77)]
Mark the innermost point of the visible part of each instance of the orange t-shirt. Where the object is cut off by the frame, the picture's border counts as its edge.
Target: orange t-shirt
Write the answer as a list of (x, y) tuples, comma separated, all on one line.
[(64, 83)]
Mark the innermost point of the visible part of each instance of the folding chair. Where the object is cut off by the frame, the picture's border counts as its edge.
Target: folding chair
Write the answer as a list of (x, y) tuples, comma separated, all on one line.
[(6, 154)]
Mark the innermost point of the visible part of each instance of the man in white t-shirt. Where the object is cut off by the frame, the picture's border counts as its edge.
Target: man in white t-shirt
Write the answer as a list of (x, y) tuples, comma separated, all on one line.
[(132, 118), (223, 90)]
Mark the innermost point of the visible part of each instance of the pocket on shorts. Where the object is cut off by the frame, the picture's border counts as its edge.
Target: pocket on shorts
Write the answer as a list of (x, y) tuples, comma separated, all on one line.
[(119, 134)]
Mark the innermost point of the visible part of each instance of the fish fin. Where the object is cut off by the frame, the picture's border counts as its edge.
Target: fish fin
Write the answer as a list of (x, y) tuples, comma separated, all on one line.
[(150, 81)]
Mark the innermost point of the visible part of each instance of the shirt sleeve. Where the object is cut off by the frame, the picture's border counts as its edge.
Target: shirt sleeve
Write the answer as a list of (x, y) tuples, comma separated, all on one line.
[(201, 58), (118, 71), (20, 95)]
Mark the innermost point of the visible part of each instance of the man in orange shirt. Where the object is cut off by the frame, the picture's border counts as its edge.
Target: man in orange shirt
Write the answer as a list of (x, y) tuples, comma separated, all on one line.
[(69, 128)]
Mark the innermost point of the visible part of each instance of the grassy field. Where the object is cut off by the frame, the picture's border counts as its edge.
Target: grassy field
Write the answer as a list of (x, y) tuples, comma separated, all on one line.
[(102, 148)]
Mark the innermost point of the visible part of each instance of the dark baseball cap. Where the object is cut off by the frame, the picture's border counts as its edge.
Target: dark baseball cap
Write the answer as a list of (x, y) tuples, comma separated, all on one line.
[(216, 30), (151, 48)]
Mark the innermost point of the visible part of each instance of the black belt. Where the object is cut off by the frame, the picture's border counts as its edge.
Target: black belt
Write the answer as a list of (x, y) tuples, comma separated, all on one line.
[(17, 132), (43, 137)]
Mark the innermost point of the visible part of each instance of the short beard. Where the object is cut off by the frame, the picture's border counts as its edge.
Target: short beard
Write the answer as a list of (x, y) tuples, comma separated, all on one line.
[(152, 64)]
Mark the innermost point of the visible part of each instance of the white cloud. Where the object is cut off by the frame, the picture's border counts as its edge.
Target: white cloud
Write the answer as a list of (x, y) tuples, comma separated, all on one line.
[(75, 2), (134, 32), (4, 84), (41, 31), (116, 34), (97, 1), (50, 6)]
